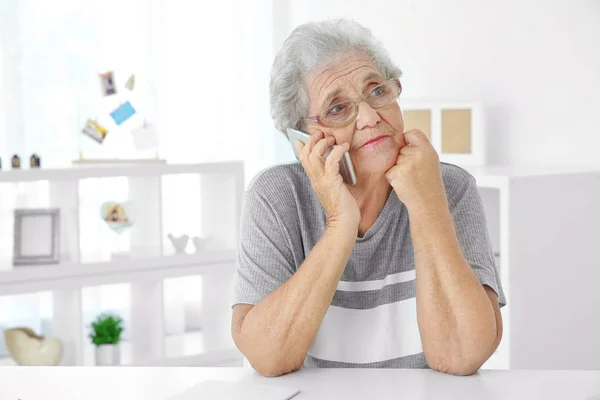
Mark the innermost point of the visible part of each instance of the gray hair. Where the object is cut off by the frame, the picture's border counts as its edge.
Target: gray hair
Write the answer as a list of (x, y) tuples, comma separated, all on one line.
[(310, 48)]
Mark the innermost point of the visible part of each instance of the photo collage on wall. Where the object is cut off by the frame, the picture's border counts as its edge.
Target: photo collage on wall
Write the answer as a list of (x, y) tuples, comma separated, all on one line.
[(144, 135)]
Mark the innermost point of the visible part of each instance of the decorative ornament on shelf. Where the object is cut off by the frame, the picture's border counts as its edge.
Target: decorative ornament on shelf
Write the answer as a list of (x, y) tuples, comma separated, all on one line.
[(27, 348), (179, 243), (16, 162), (117, 215), (106, 335), (35, 161), (201, 243)]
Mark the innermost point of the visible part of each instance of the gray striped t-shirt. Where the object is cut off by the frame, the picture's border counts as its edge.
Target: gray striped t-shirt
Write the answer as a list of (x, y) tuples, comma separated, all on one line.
[(372, 320)]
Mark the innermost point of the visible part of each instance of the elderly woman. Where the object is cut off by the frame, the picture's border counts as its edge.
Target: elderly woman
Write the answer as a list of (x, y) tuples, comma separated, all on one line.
[(394, 271)]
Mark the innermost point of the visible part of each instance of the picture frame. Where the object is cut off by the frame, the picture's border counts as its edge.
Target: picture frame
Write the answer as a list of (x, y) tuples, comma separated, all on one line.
[(455, 129), (36, 236), (95, 131), (109, 86)]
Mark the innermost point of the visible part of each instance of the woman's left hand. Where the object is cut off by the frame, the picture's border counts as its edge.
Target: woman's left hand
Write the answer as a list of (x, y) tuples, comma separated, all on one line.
[(416, 177)]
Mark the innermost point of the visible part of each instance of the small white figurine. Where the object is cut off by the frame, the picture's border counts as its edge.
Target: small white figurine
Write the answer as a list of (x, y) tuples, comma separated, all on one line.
[(179, 243)]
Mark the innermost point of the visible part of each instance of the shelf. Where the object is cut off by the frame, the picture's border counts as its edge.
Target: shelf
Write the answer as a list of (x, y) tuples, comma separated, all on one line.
[(227, 357), (112, 170), (71, 275), (186, 349), (498, 176)]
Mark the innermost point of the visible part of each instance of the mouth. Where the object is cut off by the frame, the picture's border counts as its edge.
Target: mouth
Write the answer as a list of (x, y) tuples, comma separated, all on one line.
[(374, 141)]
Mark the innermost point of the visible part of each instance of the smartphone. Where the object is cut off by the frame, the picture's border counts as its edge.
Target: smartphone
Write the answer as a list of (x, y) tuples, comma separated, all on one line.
[(346, 167)]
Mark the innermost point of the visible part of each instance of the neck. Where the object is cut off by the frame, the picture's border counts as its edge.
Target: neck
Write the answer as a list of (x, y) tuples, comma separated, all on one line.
[(371, 195)]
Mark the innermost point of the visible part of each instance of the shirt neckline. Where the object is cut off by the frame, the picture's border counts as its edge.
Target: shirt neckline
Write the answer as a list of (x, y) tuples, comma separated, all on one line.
[(388, 210)]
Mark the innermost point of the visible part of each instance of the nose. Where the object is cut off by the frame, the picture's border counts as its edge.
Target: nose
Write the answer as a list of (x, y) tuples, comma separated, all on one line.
[(367, 116)]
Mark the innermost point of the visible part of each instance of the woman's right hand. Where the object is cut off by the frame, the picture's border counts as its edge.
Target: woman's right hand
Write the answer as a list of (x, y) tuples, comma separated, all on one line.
[(327, 183)]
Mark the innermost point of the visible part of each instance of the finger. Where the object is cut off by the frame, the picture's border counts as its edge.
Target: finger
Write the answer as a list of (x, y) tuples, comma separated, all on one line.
[(316, 156), (314, 138), (408, 150), (393, 172), (323, 145), (332, 163), (415, 137)]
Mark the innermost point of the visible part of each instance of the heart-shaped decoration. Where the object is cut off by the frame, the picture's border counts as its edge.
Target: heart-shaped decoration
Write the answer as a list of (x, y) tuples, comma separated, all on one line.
[(27, 348), (117, 215)]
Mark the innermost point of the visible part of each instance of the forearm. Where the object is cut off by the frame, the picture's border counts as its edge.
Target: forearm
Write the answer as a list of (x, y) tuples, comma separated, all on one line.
[(277, 333), (456, 319)]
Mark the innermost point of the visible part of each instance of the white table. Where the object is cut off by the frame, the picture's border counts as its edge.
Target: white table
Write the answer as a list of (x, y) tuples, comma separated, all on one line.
[(148, 383)]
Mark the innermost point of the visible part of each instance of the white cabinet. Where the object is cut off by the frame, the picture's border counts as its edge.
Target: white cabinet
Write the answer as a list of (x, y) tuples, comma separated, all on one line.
[(545, 228), (150, 259)]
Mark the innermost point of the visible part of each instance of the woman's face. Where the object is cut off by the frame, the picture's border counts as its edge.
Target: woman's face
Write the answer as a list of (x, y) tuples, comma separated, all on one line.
[(351, 77)]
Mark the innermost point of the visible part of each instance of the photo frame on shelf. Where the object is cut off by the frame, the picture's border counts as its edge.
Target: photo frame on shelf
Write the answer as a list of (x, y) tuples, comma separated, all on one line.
[(456, 130), (36, 236)]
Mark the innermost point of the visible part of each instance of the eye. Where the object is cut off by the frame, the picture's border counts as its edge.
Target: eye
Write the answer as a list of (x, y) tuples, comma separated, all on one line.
[(378, 91), (337, 109)]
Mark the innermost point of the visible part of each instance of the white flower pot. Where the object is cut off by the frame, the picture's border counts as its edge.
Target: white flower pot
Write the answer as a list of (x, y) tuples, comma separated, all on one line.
[(108, 354)]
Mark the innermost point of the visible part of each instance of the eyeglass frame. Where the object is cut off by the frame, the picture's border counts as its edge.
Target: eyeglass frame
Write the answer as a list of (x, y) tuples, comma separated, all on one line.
[(316, 120)]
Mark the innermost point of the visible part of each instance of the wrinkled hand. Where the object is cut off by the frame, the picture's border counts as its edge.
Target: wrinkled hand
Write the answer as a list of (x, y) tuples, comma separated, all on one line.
[(416, 177), (327, 183)]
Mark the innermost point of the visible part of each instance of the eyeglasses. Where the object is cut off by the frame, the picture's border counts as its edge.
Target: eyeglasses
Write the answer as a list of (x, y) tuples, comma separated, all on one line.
[(345, 112)]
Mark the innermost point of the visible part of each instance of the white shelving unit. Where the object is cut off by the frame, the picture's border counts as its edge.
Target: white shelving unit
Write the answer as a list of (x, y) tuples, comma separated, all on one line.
[(544, 225), (148, 264)]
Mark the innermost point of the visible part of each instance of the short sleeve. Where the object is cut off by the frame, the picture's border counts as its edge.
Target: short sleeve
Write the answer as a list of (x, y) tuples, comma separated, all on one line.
[(472, 232), (264, 260)]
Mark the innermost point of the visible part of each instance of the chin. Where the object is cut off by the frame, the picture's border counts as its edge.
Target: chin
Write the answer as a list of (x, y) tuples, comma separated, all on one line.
[(376, 161)]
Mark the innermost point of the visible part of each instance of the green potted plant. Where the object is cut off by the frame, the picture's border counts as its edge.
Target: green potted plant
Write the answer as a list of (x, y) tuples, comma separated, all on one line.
[(106, 334)]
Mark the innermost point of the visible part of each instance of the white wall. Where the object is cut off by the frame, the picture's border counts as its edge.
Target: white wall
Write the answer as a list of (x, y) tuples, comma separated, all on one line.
[(535, 66), (202, 76)]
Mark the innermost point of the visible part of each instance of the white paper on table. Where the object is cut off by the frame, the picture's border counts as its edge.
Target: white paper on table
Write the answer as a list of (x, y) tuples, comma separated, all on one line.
[(145, 138), (236, 391)]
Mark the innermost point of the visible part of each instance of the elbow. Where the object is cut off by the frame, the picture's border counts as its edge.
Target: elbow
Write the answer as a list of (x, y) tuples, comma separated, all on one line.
[(453, 364), (271, 367), (465, 369), (459, 368), (269, 370), (268, 358), (268, 362)]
